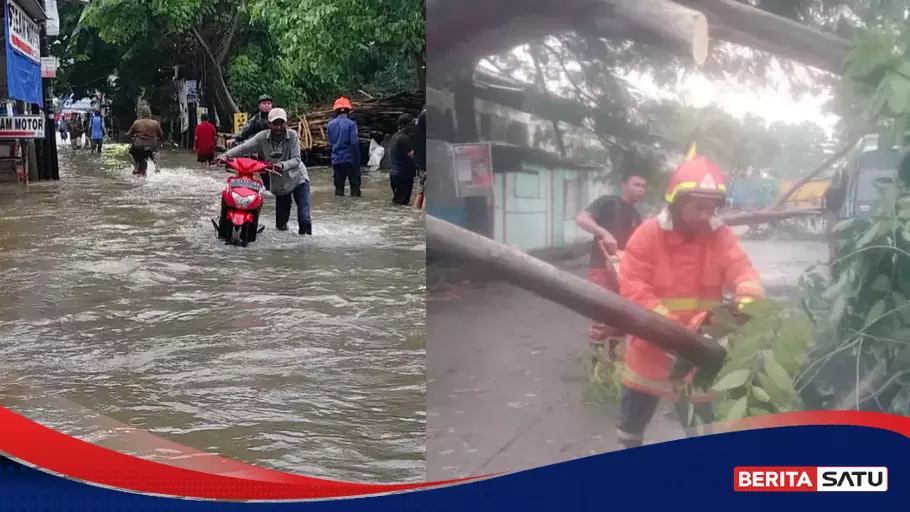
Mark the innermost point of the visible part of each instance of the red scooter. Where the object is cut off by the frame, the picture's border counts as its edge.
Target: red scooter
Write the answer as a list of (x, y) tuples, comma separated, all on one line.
[(241, 201)]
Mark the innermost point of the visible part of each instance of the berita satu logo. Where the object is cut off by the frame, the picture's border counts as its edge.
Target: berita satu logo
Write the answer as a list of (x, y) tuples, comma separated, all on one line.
[(810, 478)]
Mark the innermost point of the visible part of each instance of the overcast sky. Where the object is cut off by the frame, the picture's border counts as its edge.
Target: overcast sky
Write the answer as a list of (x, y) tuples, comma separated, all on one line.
[(737, 99)]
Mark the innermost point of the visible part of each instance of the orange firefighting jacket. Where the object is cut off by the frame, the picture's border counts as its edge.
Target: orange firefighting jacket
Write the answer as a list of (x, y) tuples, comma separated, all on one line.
[(679, 279)]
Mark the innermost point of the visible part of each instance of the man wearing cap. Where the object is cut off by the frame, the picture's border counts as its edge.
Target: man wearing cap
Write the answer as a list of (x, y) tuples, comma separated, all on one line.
[(257, 123), (293, 181)]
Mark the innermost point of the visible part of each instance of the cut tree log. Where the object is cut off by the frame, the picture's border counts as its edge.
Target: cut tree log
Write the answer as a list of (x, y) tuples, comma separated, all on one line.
[(496, 27), (678, 25), (583, 297), (743, 24), (459, 34)]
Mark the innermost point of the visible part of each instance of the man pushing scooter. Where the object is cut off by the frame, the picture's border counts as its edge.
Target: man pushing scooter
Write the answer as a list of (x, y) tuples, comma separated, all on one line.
[(291, 181)]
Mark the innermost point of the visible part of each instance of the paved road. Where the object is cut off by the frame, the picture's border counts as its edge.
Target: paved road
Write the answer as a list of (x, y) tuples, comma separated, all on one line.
[(506, 379)]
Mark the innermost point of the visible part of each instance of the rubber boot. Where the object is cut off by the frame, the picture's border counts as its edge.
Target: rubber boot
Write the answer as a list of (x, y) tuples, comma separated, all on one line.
[(355, 192), (341, 192), (306, 229)]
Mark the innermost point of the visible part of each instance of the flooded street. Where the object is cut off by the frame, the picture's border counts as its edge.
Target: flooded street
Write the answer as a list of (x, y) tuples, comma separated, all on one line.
[(304, 355)]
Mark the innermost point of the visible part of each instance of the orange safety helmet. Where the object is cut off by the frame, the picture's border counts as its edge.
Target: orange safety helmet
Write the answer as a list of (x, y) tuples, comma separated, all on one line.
[(698, 176), (341, 103)]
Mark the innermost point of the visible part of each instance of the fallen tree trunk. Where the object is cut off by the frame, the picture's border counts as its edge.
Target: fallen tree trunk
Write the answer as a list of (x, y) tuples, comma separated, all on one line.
[(807, 178), (677, 25), (750, 26), (565, 289), (764, 216), (496, 27)]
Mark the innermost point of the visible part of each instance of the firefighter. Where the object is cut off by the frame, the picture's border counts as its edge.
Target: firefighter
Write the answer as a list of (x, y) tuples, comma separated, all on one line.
[(678, 264)]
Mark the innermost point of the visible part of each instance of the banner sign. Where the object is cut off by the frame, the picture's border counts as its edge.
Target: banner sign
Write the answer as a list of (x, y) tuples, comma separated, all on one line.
[(24, 34), (52, 25), (49, 67), (23, 55), (22, 127), (239, 121), (473, 167)]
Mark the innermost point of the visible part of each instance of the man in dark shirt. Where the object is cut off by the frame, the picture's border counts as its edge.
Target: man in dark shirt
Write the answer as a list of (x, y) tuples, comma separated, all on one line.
[(404, 170), (611, 219), (420, 159)]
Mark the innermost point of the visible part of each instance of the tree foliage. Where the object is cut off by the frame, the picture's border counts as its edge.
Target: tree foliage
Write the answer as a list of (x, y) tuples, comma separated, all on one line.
[(298, 52)]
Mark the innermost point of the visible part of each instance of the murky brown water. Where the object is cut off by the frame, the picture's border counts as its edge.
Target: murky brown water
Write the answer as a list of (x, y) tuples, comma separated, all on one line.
[(302, 355)]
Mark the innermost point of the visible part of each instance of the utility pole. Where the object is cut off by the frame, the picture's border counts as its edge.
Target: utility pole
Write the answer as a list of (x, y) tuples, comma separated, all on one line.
[(50, 164)]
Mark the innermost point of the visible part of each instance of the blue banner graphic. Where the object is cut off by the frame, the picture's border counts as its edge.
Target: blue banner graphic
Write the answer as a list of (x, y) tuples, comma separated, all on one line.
[(692, 474), (23, 74)]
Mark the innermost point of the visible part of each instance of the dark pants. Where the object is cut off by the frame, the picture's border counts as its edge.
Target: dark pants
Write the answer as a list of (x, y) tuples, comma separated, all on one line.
[(267, 182), (638, 409), (141, 155), (96, 145), (402, 186), (301, 196), (349, 171)]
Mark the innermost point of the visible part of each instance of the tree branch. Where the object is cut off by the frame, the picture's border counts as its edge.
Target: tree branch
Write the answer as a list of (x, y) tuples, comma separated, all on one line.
[(225, 48)]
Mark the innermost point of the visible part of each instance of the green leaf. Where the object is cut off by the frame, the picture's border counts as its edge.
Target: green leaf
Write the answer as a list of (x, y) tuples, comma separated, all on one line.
[(778, 374), (899, 100), (843, 225), (758, 411), (760, 394), (837, 310), (761, 308), (868, 236), (882, 284), (778, 396), (738, 410), (732, 380), (902, 305), (875, 312)]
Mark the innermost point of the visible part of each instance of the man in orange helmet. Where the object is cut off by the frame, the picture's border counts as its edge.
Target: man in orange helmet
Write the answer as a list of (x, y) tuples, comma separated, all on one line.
[(678, 264), (345, 148)]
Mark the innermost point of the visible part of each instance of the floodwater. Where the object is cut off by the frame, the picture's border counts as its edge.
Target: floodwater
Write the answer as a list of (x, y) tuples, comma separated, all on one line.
[(304, 355)]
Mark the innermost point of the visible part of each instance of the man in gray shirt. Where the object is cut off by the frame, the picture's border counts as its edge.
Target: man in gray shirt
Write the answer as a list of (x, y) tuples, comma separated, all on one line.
[(293, 182)]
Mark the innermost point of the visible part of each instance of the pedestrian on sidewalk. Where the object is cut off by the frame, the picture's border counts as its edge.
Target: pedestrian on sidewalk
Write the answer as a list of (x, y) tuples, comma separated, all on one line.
[(611, 219), (342, 134), (97, 131), (404, 170), (293, 181), (204, 140)]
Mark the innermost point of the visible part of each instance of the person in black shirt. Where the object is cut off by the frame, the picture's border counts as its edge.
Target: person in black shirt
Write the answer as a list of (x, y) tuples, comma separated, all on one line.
[(611, 219), (404, 170), (420, 159)]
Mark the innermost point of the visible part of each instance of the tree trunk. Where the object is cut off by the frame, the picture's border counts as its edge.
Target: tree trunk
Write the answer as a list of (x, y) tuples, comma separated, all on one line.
[(805, 179), (224, 108), (572, 292), (218, 82), (420, 61), (743, 24), (677, 25), (470, 30)]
